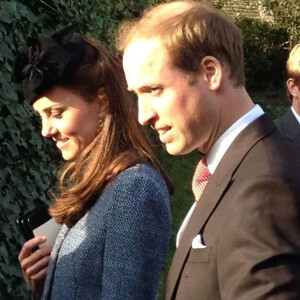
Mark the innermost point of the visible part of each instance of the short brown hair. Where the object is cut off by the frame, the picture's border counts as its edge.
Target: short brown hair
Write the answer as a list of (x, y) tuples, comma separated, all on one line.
[(189, 31), (293, 66)]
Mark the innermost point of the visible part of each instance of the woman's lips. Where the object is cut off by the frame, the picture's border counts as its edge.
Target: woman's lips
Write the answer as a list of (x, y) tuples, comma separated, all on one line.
[(62, 143)]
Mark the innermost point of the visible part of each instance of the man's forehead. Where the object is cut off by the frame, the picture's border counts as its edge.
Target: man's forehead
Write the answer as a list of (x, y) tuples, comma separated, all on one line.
[(143, 58), (143, 50)]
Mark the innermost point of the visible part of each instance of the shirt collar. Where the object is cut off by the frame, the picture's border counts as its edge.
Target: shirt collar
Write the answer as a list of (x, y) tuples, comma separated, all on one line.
[(225, 140), (295, 114)]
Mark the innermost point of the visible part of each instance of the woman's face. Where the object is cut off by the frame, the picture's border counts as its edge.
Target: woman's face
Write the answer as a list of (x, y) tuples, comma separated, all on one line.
[(68, 119)]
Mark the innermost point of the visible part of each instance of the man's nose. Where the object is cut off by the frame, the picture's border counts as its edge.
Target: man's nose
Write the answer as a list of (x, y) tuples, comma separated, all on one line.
[(146, 113)]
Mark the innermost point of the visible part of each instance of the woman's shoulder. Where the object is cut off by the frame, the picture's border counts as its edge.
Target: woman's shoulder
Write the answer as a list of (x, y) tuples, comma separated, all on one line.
[(141, 172), (137, 194), (140, 179)]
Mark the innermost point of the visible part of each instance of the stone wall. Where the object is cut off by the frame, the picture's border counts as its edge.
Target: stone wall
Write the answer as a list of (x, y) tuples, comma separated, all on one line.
[(248, 8)]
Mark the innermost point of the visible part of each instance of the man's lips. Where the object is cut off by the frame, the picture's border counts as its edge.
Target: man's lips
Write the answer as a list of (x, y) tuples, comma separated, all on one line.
[(164, 133)]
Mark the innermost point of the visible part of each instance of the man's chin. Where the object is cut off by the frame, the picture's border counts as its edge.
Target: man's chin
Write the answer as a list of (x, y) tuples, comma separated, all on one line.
[(176, 150), (173, 150)]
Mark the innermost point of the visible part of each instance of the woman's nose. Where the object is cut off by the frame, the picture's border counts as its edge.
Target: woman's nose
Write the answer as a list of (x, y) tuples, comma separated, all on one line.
[(47, 128)]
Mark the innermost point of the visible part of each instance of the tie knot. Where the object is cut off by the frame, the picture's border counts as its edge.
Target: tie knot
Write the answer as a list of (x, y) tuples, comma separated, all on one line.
[(200, 179)]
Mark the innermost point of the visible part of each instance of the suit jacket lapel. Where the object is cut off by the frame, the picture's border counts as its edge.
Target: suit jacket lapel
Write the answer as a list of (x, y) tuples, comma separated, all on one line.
[(213, 193), (292, 128)]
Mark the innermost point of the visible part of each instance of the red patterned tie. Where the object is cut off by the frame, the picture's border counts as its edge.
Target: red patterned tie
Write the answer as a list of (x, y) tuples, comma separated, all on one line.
[(200, 179)]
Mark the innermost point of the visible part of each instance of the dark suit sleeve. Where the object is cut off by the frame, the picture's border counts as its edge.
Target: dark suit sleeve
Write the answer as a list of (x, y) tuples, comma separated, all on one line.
[(260, 253)]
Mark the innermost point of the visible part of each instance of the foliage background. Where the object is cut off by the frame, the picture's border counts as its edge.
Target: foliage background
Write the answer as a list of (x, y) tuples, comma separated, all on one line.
[(27, 162)]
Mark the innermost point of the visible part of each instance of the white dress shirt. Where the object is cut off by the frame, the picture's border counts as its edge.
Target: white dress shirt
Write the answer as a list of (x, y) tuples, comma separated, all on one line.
[(296, 114), (218, 150)]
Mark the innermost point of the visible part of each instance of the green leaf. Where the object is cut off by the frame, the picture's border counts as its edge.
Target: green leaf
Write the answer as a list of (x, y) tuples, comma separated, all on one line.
[(4, 254), (7, 11), (5, 52)]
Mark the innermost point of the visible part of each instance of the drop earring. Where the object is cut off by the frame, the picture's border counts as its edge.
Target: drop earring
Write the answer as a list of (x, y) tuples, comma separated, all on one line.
[(100, 119), (100, 124)]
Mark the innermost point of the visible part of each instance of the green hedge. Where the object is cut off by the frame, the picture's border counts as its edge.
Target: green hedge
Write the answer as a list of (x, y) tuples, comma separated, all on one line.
[(265, 50), (26, 168), (285, 14), (26, 159)]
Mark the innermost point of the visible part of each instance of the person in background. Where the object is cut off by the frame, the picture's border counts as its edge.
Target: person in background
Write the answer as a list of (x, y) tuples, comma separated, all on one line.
[(241, 238), (113, 198), (289, 123)]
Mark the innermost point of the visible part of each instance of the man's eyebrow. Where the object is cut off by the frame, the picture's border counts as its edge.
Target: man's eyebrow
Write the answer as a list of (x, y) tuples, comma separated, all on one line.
[(143, 87), (134, 90)]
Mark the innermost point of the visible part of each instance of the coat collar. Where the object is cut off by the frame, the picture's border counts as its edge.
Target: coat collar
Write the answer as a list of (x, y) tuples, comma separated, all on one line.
[(213, 192), (53, 260)]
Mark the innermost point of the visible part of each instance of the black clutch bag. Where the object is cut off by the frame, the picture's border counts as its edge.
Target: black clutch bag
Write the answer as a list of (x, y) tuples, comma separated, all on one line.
[(38, 222), (33, 219)]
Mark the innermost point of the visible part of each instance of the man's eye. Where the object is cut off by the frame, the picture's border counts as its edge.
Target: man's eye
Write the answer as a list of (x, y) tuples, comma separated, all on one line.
[(155, 91)]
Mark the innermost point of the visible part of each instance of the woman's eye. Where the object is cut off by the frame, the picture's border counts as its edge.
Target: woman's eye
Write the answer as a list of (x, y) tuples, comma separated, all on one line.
[(56, 114)]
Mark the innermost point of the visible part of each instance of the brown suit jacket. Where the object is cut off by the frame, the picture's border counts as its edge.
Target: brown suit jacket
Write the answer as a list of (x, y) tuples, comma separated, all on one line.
[(249, 218)]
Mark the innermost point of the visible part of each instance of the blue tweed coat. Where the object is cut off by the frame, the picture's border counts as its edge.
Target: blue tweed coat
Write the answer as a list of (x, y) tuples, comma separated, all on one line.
[(116, 250)]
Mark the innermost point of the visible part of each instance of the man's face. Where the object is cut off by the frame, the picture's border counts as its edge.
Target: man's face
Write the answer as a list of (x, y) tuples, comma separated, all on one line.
[(184, 114)]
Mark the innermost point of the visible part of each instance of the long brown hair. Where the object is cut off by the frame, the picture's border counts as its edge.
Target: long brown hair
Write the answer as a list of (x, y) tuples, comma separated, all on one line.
[(119, 145)]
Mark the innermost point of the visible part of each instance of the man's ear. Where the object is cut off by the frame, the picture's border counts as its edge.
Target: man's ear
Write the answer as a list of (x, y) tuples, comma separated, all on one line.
[(292, 87), (212, 70)]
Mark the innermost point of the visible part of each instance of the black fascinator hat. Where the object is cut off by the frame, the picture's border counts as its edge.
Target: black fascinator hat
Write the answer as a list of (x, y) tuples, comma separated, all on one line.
[(49, 61)]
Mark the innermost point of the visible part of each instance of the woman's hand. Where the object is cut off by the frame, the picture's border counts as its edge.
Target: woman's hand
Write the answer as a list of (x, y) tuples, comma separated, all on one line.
[(34, 264)]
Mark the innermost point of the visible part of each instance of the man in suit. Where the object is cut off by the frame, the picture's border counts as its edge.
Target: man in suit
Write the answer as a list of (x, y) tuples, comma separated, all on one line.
[(241, 238), (289, 123)]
